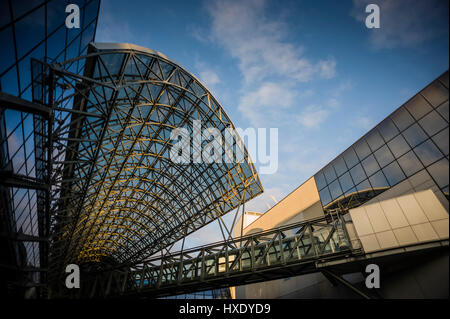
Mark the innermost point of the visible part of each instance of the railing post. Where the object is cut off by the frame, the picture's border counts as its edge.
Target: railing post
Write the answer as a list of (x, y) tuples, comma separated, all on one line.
[(283, 262), (313, 242), (252, 254)]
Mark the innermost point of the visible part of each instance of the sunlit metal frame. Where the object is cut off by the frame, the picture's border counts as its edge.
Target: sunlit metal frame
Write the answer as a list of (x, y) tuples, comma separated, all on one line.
[(116, 196)]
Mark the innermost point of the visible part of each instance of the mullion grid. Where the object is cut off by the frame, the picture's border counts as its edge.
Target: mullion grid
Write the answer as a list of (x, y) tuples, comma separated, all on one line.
[(385, 143)]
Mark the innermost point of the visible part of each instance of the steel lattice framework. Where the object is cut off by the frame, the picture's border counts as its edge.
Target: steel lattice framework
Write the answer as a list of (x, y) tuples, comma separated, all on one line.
[(116, 196)]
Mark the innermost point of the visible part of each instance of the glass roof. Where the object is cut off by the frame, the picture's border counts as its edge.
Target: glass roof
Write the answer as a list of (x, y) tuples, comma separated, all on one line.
[(121, 198)]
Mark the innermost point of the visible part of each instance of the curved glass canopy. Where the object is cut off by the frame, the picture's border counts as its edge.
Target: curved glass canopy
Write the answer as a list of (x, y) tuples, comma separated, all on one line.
[(121, 197)]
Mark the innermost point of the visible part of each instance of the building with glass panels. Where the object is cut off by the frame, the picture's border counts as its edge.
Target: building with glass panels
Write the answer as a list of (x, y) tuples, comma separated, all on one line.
[(29, 29), (392, 186)]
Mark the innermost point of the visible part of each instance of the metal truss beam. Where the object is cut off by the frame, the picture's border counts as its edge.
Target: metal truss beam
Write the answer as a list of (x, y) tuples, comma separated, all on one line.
[(15, 103), (282, 252)]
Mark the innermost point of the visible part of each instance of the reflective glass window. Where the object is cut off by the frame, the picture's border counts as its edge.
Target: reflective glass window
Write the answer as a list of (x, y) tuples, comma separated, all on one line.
[(30, 31), (414, 135), (7, 52), (398, 146), (362, 149), (346, 181), (55, 44), (402, 118), (54, 17), (339, 166), (320, 180), (433, 123), (21, 7), (357, 174), (351, 191), (393, 173), (418, 106), (364, 187), (428, 152), (441, 140), (410, 163), (378, 180), (435, 93), (374, 140), (443, 110), (384, 156), (325, 196), (329, 173), (9, 82), (350, 157), (440, 173), (370, 165), (4, 14), (444, 79), (387, 129), (335, 190)]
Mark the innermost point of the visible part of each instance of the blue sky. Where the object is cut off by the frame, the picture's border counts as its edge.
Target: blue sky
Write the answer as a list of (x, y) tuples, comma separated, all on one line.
[(310, 68)]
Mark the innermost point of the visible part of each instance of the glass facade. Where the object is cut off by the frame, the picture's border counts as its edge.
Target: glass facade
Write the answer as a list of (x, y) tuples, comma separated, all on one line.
[(413, 139), (31, 29)]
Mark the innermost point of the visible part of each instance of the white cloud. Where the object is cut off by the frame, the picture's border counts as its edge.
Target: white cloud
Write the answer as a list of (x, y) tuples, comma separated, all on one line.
[(327, 68), (109, 28), (404, 23), (259, 45), (364, 122), (267, 103), (312, 116)]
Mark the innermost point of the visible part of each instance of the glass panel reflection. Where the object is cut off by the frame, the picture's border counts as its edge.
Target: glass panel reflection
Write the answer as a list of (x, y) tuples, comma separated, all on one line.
[(325, 196), (378, 181), (398, 146), (362, 149), (433, 123), (428, 152), (384, 156), (335, 189), (350, 157), (441, 139), (414, 135), (358, 174), (329, 173), (387, 129), (435, 93), (440, 172), (418, 106), (346, 181), (374, 140), (393, 173), (320, 180), (370, 165), (410, 163), (402, 118), (443, 110), (339, 166)]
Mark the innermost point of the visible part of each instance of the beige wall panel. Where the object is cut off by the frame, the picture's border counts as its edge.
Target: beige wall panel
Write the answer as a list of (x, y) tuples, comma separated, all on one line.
[(361, 221), (394, 214), (425, 232), (377, 218), (412, 209), (370, 243), (387, 239), (432, 209), (289, 207), (405, 236), (441, 228)]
